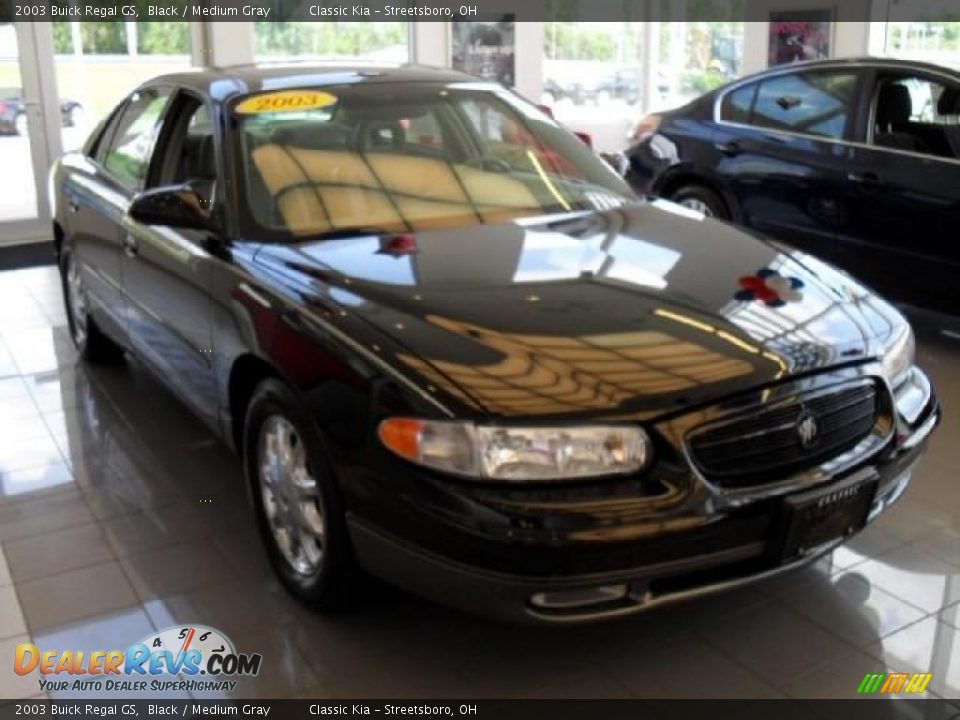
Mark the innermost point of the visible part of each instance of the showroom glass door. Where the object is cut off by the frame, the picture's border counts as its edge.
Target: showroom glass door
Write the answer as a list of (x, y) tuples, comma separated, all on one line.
[(25, 150)]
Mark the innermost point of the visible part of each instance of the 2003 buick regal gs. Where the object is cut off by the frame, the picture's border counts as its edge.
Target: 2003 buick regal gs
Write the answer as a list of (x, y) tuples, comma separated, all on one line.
[(455, 350)]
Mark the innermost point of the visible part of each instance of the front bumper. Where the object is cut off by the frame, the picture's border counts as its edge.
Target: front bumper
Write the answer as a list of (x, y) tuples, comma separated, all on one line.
[(665, 568)]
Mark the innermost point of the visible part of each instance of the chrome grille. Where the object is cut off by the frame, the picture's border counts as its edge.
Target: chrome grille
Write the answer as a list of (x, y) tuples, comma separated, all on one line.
[(765, 447)]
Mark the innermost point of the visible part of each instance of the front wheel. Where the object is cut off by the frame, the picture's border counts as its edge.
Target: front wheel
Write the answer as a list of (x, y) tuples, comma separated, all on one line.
[(91, 342), (703, 200), (299, 513)]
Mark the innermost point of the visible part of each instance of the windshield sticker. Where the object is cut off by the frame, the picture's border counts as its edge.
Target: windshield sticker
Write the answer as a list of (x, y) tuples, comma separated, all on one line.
[(285, 101)]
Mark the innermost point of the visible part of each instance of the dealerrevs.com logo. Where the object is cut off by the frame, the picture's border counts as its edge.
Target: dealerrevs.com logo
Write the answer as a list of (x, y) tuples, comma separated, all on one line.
[(203, 655)]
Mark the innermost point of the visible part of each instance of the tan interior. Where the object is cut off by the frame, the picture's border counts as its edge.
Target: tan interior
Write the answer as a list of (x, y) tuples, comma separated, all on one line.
[(321, 190)]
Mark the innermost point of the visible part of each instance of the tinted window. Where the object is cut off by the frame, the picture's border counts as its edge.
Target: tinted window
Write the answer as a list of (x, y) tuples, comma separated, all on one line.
[(410, 157), (814, 103), (128, 156), (738, 104)]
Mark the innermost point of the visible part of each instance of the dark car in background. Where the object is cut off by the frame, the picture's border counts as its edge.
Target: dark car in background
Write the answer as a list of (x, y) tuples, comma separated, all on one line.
[(13, 112), (454, 349), (857, 161)]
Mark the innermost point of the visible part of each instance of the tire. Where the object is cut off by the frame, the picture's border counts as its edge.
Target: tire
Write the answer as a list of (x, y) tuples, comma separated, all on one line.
[(91, 342), (317, 566), (702, 199)]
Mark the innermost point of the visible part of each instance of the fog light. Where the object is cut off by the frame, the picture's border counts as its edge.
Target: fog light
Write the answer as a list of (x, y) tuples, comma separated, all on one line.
[(581, 597)]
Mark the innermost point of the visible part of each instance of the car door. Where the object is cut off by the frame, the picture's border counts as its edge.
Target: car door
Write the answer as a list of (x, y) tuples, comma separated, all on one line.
[(904, 189), (782, 153), (99, 188), (167, 271)]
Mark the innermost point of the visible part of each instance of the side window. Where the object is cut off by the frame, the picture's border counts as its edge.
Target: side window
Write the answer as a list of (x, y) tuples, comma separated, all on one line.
[(917, 114), (127, 157), (190, 150), (737, 105), (813, 103)]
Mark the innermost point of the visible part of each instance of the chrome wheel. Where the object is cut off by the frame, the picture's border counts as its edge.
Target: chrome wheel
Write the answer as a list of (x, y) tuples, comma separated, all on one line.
[(699, 205), (77, 299), (291, 497)]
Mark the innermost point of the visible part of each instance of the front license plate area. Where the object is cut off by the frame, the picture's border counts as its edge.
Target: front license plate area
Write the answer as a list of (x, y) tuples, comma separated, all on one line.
[(819, 516)]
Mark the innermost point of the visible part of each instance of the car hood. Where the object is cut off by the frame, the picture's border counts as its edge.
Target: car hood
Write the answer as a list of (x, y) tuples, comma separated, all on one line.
[(636, 310)]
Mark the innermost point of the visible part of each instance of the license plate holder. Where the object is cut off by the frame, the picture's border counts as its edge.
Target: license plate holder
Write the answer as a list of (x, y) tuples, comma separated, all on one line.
[(816, 517)]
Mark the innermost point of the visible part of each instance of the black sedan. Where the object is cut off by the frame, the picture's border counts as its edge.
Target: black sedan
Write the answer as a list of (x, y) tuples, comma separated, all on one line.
[(857, 161), (454, 349), (13, 112)]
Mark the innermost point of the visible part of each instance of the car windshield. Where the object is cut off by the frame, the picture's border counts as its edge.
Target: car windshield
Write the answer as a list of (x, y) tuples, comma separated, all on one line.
[(397, 157)]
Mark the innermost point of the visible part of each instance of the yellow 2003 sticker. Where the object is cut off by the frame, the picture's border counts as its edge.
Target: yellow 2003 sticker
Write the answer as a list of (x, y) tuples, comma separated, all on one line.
[(285, 101)]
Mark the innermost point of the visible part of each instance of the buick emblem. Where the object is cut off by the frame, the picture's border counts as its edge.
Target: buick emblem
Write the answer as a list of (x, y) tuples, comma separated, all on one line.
[(808, 430)]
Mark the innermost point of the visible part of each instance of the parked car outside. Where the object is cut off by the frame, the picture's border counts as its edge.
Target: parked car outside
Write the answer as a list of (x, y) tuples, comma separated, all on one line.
[(857, 161), (455, 350), (13, 112)]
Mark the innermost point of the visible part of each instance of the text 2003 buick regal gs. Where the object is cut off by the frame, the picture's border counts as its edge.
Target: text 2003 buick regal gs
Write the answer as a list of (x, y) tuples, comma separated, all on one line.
[(456, 351)]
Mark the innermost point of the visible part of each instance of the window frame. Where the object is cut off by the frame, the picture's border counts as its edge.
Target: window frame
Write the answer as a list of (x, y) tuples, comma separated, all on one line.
[(111, 130), (880, 74), (868, 73), (756, 82)]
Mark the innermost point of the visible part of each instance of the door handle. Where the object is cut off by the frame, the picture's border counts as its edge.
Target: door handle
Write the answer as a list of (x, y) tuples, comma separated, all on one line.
[(730, 148), (870, 179), (131, 245)]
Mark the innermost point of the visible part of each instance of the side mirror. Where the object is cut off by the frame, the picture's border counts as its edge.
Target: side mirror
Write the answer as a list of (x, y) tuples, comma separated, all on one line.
[(178, 206)]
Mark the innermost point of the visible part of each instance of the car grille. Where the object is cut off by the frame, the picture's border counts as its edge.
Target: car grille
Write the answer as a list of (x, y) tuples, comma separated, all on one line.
[(765, 447)]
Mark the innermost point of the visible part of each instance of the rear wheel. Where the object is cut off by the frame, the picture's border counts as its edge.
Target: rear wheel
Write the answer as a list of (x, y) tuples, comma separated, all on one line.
[(91, 342), (299, 512), (702, 199)]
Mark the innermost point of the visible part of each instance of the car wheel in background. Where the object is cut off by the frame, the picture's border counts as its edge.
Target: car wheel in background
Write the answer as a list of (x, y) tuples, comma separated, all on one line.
[(298, 507), (91, 343), (20, 124), (702, 199)]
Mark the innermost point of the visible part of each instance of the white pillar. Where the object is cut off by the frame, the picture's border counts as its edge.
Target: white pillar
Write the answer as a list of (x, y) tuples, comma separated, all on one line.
[(131, 28), (528, 56), (651, 60), (76, 38), (228, 43), (430, 43)]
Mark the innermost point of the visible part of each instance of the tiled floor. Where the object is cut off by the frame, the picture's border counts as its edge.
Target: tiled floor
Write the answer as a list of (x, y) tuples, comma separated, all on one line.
[(105, 539)]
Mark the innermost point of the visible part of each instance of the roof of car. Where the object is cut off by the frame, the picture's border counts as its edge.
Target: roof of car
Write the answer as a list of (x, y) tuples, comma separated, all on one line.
[(222, 83), (865, 60)]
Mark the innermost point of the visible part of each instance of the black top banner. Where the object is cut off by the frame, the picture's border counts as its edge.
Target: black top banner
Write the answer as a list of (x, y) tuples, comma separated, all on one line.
[(447, 10)]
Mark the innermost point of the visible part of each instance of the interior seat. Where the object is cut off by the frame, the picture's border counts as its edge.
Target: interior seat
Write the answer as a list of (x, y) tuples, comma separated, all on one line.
[(894, 108)]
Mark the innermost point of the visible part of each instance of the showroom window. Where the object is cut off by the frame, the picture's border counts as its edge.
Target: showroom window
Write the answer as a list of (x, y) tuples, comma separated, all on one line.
[(934, 42), (593, 65), (695, 58), (809, 103), (371, 41), (97, 64)]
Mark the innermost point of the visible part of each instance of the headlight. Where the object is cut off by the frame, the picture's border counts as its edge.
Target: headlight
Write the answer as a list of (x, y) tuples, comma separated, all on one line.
[(899, 357), (519, 454)]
